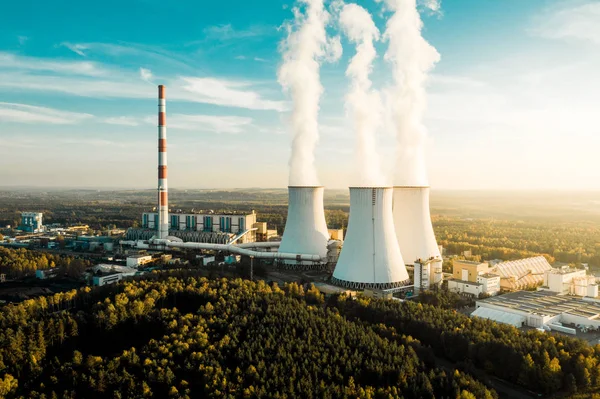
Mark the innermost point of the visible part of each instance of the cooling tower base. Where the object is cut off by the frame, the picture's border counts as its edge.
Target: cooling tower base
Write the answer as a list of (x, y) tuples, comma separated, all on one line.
[(361, 286)]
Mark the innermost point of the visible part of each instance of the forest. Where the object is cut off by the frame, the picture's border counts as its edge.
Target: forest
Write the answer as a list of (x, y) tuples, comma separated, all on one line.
[(185, 336), (174, 334), (15, 263)]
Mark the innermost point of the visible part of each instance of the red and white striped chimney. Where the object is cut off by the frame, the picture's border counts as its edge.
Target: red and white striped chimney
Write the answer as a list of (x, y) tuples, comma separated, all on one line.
[(163, 189)]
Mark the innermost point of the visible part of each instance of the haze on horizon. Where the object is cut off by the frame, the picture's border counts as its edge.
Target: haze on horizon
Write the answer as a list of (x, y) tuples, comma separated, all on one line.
[(511, 102)]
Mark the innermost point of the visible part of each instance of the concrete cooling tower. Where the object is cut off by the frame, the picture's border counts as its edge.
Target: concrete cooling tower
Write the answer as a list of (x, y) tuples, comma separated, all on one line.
[(413, 224), (370, 256), (305, 230)]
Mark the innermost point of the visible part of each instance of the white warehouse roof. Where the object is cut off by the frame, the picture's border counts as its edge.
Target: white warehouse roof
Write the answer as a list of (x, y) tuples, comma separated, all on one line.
[(518, 274), (500, 316)]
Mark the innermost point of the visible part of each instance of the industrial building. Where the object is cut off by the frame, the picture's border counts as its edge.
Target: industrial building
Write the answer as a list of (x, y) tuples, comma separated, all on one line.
[(571, 281), (541, 309), (521, 274), (135, 261), (370, 257), (105, 274), (219, 228), (31, 222), (427, 274), (473, 278)]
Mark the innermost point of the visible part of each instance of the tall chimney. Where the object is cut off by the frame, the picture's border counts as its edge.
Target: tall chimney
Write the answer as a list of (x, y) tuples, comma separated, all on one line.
[(163, 189)]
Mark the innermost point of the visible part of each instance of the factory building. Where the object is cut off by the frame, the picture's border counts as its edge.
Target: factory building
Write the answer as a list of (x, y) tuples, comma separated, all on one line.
[(234, 223), (473, 278), (570, 281), (31, 222), (428, 274), (135, 261), (105, 274), (521, 274), (217, 228), (541, 309)]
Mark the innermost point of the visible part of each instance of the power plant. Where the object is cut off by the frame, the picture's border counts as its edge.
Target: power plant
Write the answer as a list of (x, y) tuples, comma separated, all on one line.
[(305, 229), (387, 225), (370, 257)]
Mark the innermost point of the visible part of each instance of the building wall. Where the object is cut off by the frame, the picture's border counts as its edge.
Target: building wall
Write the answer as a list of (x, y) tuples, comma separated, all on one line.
[(138, 261), (473, 269), (226, 223), (561, 282), (491, 285), (31, 221), (460, 286)]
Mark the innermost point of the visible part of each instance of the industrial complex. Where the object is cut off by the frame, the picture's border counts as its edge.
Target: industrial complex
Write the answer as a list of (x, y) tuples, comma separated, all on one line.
[(389, 235), (388, 227)]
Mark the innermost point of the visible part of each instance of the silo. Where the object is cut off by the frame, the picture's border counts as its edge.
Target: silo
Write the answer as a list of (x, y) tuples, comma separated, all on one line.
[(370, 257), (305, 229), (412, 220)]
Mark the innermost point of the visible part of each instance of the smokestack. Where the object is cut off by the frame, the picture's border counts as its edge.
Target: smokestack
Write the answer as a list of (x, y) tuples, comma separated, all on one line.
[(163, 189), (412, 219), (305, 229), (370, 256)]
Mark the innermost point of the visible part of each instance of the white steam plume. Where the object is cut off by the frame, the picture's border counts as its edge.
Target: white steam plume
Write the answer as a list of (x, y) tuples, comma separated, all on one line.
[(304, 48), (363, 103), (412, 57)]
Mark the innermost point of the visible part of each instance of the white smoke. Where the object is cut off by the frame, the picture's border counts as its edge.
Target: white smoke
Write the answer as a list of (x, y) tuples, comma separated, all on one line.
[(412, 57), (304, 48), (146, 75), (362, 102)]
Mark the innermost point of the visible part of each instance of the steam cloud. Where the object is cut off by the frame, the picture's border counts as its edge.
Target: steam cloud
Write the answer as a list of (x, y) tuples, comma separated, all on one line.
[(304, 48), (412, 57), (363, 103)]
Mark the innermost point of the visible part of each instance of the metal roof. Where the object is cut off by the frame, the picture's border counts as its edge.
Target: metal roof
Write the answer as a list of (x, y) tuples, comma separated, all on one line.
[(500, 316)]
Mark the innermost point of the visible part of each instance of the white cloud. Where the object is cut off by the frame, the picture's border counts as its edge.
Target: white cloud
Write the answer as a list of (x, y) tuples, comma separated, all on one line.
[(146, 74), (227, 32), (20, 63), (122, 120), (206, 123), (24, 113), (224, 92), (88, 79), (579, 21), (258, 59), (77, 48), (22, 39)]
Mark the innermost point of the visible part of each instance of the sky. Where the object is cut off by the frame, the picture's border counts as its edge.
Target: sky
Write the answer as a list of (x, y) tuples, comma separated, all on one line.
[(513, 102)]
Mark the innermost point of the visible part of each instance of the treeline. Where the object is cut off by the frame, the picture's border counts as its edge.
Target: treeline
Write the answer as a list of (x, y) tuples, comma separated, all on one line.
[(508, 240), (16, 263), (538, 361), (192, 337)]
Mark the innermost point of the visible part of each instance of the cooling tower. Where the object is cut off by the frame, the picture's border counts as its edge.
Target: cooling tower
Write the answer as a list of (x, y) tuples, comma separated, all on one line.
[(305, 230), (413, 224), (370, 256)]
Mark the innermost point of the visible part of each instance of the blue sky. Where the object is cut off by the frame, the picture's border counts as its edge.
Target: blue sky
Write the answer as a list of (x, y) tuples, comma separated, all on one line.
[(512, 103)]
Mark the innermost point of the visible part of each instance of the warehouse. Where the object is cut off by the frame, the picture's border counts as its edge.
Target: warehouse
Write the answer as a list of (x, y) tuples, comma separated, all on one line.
[(541, 308)]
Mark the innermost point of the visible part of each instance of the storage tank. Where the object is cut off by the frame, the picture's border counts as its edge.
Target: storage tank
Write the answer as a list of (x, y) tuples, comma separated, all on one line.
[(370, 257), (305, 229), (412, 221)]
